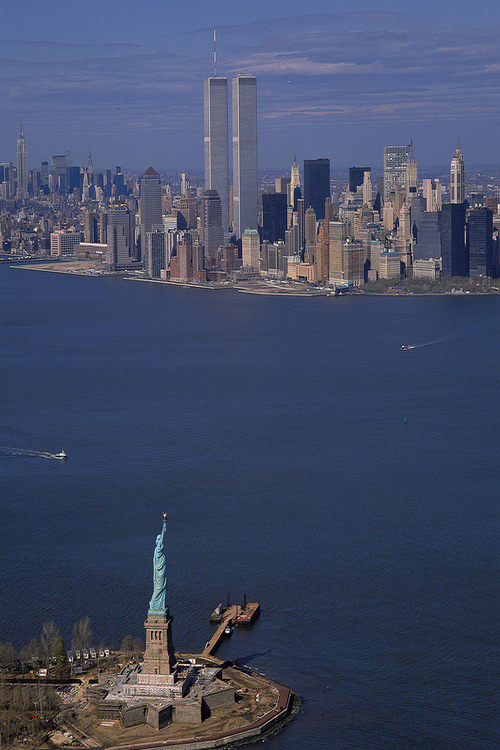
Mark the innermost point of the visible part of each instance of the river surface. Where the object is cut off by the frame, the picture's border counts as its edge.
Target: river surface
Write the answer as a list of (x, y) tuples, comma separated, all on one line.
[(302, 458)]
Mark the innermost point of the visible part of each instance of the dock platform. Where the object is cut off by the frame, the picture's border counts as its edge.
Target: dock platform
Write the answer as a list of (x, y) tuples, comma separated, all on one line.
[(234, 615)]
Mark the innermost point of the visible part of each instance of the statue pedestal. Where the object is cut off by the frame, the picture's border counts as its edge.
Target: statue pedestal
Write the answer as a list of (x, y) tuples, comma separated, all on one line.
[(158, 667)]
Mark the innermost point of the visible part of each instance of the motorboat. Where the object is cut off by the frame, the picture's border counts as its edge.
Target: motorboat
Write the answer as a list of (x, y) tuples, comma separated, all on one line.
[(61, 455)]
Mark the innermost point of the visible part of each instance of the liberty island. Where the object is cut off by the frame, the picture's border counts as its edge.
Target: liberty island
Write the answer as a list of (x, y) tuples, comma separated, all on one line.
[(194, 699)]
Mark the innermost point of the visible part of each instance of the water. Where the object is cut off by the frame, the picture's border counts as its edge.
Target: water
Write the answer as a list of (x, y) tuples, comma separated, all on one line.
[(303, 459)]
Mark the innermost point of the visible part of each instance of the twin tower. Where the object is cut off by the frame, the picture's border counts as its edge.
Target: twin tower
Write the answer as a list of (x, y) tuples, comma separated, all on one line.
[(244, 110)]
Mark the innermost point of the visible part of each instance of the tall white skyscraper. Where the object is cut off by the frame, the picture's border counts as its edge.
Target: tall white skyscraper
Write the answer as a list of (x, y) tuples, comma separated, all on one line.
[(395, 161), (216, 141), (457, 177), (294, 180), (244, 153), (22, 166)]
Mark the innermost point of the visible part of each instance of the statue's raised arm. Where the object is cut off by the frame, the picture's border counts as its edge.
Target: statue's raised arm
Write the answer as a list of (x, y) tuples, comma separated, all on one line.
[(157, 605)]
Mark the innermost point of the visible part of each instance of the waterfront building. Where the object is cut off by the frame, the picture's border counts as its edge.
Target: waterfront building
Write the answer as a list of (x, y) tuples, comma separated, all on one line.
[(322, 251), (244, 153), (427, 269), (150, 203), (62, 242), (457, 177), (211, 221), (396, 159), (121, 238), (389, 265), (216, 141), (482, 261), (22, 166), (337, 236), (316, 185), (154, 254), (452, 235), (250, 249), (274, 216)]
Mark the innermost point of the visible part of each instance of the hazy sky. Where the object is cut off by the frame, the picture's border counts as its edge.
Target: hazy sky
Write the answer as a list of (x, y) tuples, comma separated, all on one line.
[(127, 78)]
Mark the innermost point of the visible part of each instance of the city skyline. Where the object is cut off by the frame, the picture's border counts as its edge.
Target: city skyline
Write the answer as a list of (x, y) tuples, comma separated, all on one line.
[(334, 85)]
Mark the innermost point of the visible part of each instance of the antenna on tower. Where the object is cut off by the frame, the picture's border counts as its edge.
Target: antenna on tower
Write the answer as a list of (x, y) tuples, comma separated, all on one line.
[(215, 56)]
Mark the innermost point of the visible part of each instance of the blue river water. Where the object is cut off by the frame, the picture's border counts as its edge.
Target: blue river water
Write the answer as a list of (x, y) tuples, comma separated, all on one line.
[(302, 458)]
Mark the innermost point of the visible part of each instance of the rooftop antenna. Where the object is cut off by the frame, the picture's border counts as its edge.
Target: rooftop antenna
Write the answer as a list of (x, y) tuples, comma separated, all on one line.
[(215, 56)]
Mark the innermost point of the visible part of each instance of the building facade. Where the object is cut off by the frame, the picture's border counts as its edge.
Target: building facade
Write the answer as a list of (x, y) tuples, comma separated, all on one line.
[(316, 185), (216, 141), (245, 208)]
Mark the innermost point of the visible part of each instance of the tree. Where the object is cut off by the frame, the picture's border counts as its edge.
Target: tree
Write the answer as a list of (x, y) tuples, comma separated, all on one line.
[(59, 650), (31, 651), (7, 654), (50, 633), (81, 635), (127, 644)]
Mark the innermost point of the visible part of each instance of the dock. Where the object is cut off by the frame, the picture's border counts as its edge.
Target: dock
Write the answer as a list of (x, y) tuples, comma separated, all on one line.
[(235, 615)]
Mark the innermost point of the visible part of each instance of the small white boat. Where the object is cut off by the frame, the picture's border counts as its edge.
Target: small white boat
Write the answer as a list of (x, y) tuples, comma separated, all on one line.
[(228, 630), (61, 455)]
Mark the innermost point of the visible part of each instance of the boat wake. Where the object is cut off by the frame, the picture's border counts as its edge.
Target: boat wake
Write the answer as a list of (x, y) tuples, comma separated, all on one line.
[(449, 337), (26, 452)]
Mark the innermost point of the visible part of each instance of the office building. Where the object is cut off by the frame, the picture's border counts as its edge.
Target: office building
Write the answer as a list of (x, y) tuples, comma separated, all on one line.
[(316, 185), (310, 235), (151, 216), (154, 253), (274, 215), (6, 180), (250, 250), (337, 238), (245, 208), (482, 261), (121, 238), (62, 242), (396, 159), (432, 191), (453, 249), (457, 177), (216, 141), (211, 222), (356, 177), (22, 166)]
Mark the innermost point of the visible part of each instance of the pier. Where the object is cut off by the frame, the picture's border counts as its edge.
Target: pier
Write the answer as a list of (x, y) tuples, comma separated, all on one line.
[(235, 615)]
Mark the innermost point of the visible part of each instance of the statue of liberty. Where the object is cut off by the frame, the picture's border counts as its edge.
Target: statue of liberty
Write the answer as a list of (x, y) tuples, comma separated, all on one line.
[(157, 604)]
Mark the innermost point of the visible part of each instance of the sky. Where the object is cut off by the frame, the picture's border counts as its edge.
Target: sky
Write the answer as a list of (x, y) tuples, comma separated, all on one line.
[(126, 79)]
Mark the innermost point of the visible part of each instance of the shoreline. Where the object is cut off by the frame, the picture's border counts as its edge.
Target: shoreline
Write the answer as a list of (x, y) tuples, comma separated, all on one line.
[(73, 268)]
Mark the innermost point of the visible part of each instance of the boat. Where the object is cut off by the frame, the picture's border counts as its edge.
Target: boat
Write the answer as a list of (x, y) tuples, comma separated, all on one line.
[(228, 630), (405, 348), (61, 455)]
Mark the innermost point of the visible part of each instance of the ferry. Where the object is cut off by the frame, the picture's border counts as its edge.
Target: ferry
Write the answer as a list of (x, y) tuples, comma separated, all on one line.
[(61, 455)]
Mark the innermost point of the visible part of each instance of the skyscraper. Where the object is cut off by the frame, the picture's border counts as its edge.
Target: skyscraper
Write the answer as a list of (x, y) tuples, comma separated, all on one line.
[(274, 207), (150, 203), (480, 243), (316, 185), (120, 253), (22, 166), (452, 228), (244, 153), (216, 141), (213, 232), (356, 177), (294, 181), (395, 161), (457, 177)]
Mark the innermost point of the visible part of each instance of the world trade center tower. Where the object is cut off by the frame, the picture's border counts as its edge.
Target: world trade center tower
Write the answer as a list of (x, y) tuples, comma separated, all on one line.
[(216, 141), (244, 153)]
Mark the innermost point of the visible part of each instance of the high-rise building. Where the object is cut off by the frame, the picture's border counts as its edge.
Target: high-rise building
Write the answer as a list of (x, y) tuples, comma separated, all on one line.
[(250, 249), (62, 242), (294, 181), (432, 192), (213, 232), (457, 177), (154, 253), (480, 243), (316, 185), (453, 250), (395, 161), (150, 203), (216, 141), (274, 214), (6, 180), (22, 166), (244, 153), (356, 177), (337, 238), (120, 236), (310, 235)]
